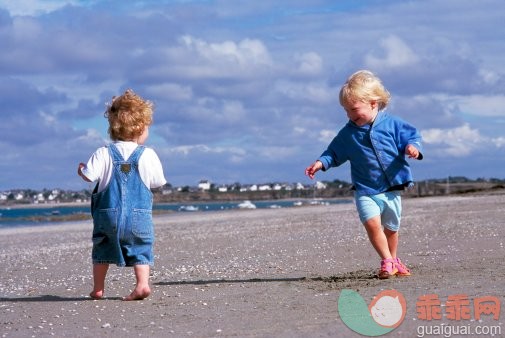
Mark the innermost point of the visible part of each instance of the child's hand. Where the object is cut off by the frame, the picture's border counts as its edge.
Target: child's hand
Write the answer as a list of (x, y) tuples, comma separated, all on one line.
[(79, 172), (313, 169), (411, 151)]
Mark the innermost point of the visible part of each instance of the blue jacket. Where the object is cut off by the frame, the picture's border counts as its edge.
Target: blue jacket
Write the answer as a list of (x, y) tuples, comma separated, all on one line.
[(376, 153)]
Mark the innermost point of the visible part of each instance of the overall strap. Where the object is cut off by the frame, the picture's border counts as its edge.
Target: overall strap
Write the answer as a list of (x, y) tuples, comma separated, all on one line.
[(117, 157), (114, 153), (125, 166), (134, 157)]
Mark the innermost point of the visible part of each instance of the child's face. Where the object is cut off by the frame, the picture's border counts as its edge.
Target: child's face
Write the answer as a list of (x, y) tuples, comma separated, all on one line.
[(361, 113)]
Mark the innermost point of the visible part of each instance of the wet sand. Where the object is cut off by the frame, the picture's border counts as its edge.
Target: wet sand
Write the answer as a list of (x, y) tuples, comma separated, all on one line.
[(251, 273)]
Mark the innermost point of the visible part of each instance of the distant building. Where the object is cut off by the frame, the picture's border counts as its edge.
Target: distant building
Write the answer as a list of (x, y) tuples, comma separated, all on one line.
[(204, 185), (40, 198), (320, 185)]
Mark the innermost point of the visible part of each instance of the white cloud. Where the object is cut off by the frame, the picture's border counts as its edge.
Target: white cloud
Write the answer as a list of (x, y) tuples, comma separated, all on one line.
[(228, 90), (34, 7), (482, 105), (211, 111), (499, 142), (170, 91), (458, 142), (325, 136), (91, 137), (187, 150), (197, 59), (233, 110), (309, 63), (248, 52), (312, 91), (395, 52), (277, 152), (489, 76)]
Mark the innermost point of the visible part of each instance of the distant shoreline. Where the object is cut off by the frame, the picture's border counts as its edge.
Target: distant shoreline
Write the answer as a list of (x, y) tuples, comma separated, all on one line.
[(43, 205), (185, 202), (26, 214), (52, 205)]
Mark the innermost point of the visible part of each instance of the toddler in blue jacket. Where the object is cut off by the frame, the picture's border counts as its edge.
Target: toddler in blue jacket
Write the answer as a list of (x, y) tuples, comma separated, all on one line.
[(376, 144)]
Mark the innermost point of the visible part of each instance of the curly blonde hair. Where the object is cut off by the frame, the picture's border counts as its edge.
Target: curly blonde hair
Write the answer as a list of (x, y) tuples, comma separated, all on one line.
[(128, 116), (364, 86)]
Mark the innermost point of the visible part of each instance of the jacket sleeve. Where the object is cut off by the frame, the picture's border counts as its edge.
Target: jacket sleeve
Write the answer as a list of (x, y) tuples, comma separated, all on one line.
[(410, 135), (334, 155)]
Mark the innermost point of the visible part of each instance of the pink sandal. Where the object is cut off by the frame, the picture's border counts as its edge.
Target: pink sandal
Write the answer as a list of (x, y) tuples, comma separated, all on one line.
[(388, 268), (402, 269)]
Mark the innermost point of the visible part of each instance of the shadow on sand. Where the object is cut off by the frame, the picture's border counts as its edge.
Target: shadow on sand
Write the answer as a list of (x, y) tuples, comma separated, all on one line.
[(51, 298), (361, 275)]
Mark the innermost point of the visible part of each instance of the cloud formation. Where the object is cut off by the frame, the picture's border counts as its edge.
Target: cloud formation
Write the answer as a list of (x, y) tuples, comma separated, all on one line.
[(245, 91)]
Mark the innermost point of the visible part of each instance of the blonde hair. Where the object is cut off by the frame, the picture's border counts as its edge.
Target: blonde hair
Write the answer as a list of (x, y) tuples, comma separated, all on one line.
[(364, 86), (128, 116)]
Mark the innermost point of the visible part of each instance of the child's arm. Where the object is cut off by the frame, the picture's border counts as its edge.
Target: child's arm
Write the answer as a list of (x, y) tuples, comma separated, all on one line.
[(411, 139), (79, 172), (412, 152), (312, 169)]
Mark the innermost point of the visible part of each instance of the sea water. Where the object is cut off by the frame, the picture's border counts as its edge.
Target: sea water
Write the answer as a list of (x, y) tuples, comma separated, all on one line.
[(36, 215)]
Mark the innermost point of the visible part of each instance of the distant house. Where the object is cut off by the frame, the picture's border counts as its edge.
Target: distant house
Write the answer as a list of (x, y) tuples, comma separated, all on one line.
[(222, 188), (320, 185), (299, 186), (204, 185), (39, 198), (166, 191)]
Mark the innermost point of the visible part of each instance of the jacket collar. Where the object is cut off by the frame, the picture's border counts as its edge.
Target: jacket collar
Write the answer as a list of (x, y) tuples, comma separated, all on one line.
[(380, 116)]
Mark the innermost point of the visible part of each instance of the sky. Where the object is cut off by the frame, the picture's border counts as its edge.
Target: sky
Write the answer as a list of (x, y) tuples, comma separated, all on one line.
[(246, 91)]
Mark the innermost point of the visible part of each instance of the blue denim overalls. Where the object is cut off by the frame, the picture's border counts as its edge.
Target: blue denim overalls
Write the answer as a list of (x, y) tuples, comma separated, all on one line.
[(123, 231)]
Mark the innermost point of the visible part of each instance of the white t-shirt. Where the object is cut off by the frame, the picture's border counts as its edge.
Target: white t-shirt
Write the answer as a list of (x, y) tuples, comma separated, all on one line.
[(100, 165)]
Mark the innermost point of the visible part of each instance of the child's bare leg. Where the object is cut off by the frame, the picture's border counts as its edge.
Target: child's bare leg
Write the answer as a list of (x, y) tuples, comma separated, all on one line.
[(377, 237), (142, 289), (99, 273), (392, 238)]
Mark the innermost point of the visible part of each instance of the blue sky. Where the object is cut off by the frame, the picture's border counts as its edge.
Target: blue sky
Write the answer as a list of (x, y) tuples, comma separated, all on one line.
[(246, 91)]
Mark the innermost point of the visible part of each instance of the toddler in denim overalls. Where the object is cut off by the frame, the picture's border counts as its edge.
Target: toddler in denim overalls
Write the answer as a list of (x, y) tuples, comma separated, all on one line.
[(121, 203)]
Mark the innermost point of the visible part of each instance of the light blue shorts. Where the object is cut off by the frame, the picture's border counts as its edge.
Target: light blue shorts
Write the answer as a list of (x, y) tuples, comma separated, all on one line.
[(388, 205)]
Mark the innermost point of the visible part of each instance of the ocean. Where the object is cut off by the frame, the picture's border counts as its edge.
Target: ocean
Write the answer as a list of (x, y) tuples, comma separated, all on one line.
[(35, 215)]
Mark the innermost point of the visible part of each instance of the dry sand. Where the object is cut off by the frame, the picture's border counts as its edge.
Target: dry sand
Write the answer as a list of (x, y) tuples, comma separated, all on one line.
[(265, 273)]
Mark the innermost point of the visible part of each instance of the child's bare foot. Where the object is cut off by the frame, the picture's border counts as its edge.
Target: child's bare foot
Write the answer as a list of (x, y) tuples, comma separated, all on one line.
[(96, 294), (138, 294)]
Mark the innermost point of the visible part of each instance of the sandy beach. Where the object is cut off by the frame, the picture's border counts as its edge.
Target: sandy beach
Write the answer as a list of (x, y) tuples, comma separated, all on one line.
[(253, 273)]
